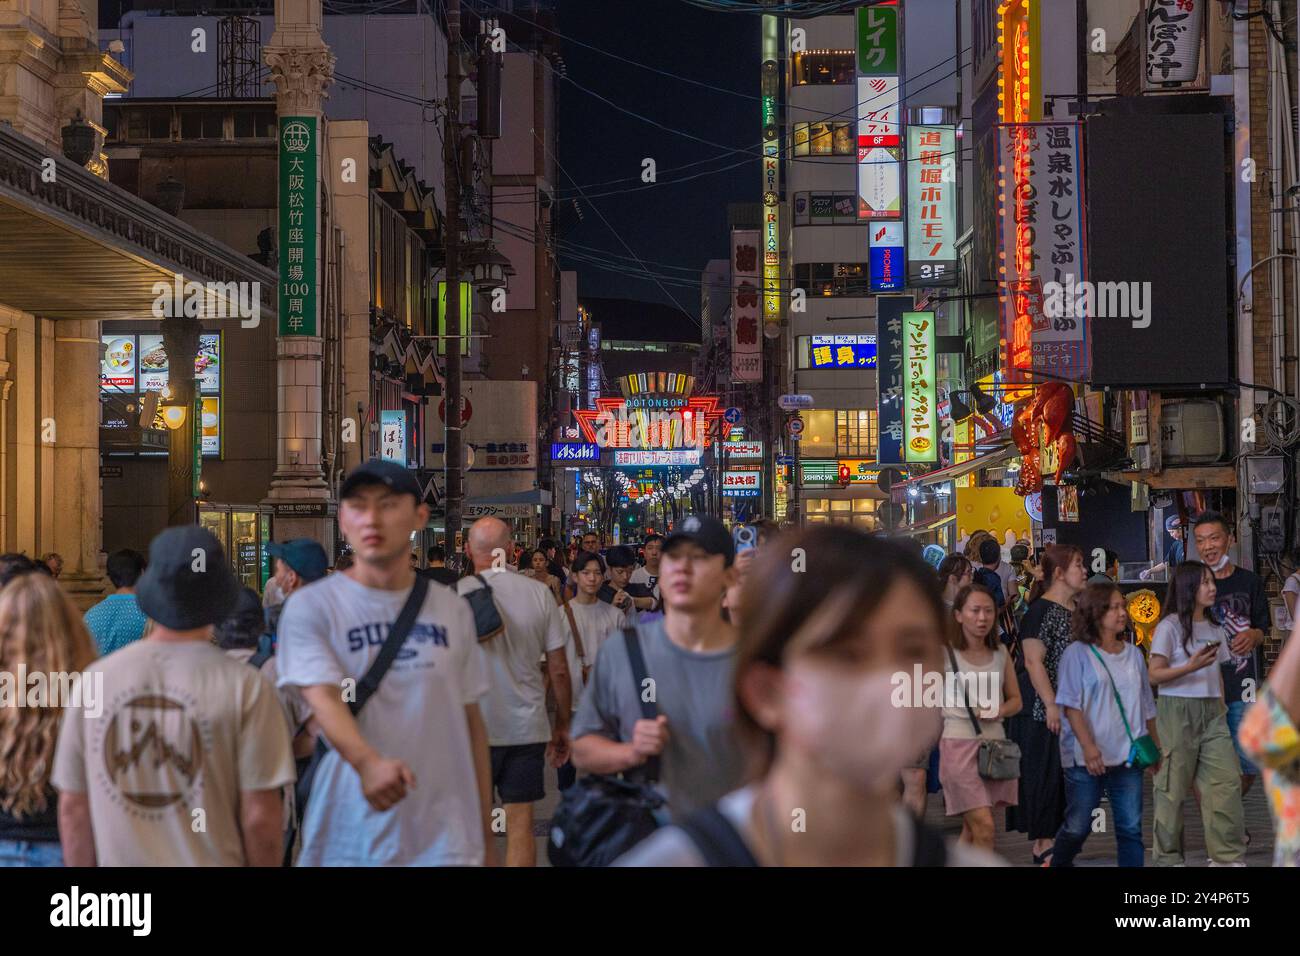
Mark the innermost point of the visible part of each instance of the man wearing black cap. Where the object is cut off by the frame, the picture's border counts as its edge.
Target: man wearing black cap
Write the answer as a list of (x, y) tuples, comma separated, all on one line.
[(690, 657), (407, 780), (627, 598), (185, 765)]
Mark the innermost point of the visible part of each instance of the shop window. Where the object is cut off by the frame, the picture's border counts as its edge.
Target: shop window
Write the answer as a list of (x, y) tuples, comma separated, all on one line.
[(824, 67), (855, 433), (818, 439), (859, 513), (824, 139), (832, 278)]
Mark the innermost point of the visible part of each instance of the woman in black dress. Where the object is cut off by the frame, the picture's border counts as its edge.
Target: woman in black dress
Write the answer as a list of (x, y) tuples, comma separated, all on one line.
[(1044, 635)]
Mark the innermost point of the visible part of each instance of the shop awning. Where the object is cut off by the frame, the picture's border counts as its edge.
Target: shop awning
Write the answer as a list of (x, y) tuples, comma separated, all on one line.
[(923, 527), (535, 496), (987, 460)]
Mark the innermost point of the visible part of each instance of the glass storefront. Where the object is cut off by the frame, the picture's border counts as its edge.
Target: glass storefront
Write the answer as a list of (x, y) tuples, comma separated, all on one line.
[(244, 532), (859, 512)]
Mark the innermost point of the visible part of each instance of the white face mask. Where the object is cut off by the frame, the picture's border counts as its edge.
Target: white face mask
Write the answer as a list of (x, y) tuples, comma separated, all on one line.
[(1221, 563), (850, 726)]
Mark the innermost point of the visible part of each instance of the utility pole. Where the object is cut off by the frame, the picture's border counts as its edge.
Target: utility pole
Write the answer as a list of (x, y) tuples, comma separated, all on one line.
[(452, 448)]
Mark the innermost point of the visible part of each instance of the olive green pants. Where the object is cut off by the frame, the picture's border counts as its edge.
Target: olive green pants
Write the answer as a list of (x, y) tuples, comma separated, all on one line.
[(1196, 747)]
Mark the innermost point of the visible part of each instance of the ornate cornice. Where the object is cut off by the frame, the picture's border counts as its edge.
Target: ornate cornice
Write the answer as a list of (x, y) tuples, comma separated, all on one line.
[(300, 75), (82, 200)]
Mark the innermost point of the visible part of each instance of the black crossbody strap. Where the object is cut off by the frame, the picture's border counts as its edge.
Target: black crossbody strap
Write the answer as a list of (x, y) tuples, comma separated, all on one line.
[(717, 838), (974, 721), (397, 634), (649, 711)]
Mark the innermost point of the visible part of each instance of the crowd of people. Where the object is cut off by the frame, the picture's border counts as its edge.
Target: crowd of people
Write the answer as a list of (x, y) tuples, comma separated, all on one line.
[(732, 694)]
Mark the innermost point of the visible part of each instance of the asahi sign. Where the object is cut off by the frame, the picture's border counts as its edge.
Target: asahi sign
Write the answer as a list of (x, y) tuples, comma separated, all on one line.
[(298, 223)]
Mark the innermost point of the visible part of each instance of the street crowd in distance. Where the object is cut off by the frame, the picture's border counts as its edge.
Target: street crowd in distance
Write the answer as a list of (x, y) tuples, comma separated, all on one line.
[(708, 697)]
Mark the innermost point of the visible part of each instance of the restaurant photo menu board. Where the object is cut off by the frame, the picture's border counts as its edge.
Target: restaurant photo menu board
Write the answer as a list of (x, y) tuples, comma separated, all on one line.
[(135, 364)]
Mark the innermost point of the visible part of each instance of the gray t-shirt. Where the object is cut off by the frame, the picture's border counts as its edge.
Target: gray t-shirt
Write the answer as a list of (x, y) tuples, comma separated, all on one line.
[(702, 760)]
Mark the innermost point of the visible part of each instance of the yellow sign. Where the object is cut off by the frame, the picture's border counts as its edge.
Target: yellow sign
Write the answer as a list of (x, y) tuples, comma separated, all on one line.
[(999, 511), (1144, 612)]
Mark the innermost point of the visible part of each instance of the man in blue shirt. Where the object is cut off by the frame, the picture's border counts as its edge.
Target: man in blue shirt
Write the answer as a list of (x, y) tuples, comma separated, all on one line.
[(117, 620)]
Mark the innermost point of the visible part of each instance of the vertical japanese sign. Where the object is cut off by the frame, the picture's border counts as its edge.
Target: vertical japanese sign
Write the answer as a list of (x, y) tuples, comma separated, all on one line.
[(1043, 251), (771, 173), (878, 40), (886, 255), (879, 139), (920, 415), (1172, 30), (392, 436), (746, 349), (298, 225), (931, 205), (889, 371)]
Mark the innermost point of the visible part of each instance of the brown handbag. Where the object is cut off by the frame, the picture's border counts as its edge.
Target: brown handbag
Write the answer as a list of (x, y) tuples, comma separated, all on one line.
[(577, 639)]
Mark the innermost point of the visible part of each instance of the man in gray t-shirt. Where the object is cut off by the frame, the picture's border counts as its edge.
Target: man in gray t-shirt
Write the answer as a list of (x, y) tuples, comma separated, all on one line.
[(690, 658)]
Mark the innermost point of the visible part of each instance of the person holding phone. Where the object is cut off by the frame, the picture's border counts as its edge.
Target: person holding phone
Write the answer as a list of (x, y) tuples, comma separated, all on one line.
[(1195, 743), (620, 592)]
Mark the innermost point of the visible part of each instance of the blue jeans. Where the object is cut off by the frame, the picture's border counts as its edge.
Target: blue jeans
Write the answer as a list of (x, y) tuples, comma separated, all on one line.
[(1083, 795), (25, 853), (1237, 710)]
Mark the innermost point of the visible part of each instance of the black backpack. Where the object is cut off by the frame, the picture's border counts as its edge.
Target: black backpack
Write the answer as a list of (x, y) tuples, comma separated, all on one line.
[(721, 845), (601, 817)]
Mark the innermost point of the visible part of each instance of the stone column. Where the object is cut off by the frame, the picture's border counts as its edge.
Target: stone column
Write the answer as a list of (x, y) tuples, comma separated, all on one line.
[(302, 66), (78, 529)]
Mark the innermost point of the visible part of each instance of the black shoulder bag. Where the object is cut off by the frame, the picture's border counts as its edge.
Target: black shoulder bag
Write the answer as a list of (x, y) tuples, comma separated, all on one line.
[(601, 817), (368, 684)]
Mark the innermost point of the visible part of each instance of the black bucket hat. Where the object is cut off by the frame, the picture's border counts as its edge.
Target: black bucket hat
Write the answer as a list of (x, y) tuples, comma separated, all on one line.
[(188, 583)]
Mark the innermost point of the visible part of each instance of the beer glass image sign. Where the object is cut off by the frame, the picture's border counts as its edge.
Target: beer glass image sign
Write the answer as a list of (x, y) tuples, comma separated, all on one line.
[(298, 198)]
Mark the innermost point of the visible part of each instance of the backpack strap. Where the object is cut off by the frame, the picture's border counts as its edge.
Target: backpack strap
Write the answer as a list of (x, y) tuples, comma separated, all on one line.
[(265, 651), (717, 838), (577, 636), (928, 845), (639, 676)]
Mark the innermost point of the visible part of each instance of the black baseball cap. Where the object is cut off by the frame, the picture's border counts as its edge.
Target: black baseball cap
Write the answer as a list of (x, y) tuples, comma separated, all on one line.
[(305, 556), (378, 471), (188, 583), (709, 533)]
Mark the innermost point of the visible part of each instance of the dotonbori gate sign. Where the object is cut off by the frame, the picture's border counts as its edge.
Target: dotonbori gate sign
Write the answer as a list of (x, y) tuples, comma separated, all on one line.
[(627, 423)]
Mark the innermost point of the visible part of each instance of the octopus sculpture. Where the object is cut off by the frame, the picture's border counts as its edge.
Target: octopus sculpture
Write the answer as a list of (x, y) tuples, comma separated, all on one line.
[(1051, 406)]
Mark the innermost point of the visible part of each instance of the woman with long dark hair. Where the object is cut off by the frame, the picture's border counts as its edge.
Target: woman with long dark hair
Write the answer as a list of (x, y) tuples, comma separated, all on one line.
[(1104, 691), (955, 573), (987, 691), (1193, 722), (826, 703), (1045, 633)]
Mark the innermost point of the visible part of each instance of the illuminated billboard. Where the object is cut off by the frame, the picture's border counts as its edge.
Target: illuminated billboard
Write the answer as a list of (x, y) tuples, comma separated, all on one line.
[(931, 205), (920, 416)]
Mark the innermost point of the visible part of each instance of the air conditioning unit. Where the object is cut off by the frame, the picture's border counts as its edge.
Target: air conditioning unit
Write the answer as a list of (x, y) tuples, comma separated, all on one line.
[(1192, 432)]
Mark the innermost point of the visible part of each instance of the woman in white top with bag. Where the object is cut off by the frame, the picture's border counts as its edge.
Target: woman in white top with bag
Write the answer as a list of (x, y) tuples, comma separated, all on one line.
[(978, 767), (1196, 745)]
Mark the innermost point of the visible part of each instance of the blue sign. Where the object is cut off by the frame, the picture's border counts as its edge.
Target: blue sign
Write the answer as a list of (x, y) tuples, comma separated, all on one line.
[(785, 460), (889, 408), (843, 351), (574, 451), (886, 257), (733, 416)]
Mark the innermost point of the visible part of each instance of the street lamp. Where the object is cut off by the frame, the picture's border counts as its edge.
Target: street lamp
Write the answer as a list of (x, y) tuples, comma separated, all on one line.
[(487, 268), (174, 416)]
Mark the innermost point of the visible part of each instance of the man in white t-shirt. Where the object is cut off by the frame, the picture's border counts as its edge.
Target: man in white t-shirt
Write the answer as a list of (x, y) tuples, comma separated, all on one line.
[(407, 780), (514, 709), (181, 732), (595, 621), (648, 574)]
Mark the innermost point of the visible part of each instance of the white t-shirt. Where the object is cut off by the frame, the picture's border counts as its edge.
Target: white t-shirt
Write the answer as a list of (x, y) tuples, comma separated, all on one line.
[(1168, 643), (182, 727), (332, 630), (515, 707), (642, 575), (670, 846), (596, 622), (1292, 586)]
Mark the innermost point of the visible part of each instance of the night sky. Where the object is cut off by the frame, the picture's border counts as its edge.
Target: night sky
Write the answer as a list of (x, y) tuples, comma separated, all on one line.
[(681, 224)]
